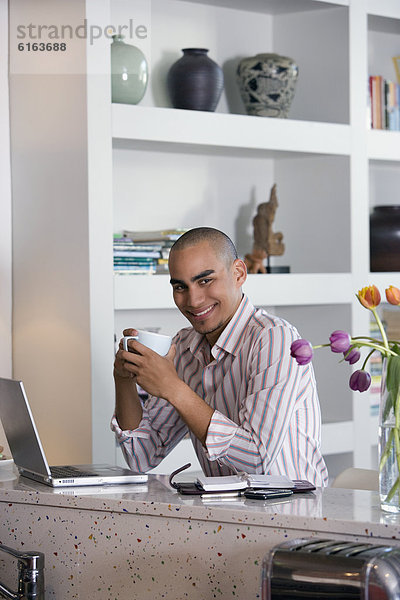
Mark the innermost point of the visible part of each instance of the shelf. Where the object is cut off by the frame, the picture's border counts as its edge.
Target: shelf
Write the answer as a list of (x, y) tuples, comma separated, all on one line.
[(331, 432), (134, 124), (136, 292), (384, 8), (275, 7), (383, 280), (344, 430), (383, 145)]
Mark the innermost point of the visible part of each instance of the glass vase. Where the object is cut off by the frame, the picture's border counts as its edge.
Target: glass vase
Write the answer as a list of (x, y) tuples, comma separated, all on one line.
[(389, 435)]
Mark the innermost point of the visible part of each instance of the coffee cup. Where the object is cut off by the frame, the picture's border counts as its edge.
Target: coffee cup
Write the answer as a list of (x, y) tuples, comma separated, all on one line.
[(155, 341)]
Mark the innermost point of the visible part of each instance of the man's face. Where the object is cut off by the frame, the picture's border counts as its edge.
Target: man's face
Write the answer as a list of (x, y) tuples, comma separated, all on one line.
[(206, 290)]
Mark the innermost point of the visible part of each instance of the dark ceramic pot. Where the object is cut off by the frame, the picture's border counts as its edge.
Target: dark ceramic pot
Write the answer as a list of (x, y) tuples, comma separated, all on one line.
[(195, 82), (385, 238)]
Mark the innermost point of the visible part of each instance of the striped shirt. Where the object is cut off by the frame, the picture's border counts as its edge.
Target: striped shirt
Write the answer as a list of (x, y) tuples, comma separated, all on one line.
[(266, 410)]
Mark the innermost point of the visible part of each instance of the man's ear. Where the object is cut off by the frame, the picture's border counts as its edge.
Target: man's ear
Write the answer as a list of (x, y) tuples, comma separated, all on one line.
[(240, 271)]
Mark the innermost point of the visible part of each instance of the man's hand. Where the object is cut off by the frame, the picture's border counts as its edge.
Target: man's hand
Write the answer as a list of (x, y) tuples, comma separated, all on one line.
[(158, 377), (120, 362), (154, 373)]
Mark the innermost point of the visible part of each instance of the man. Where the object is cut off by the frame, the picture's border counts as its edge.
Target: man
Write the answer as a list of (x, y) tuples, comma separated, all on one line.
[(228, 379)]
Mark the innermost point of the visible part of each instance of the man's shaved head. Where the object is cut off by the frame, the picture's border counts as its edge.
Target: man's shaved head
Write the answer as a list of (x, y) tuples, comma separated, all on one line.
[(219, 241)]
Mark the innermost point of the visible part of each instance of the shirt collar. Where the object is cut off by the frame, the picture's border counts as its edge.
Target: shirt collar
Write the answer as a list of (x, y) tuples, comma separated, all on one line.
[(231, 335)]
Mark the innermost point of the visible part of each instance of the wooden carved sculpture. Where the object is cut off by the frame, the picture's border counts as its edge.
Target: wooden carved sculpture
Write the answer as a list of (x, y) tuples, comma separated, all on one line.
[(266, 242)]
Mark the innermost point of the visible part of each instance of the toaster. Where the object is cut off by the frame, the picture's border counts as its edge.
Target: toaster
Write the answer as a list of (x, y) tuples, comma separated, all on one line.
[(320, 569)]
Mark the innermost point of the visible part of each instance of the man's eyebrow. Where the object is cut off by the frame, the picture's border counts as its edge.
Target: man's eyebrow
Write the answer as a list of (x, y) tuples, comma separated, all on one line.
[(203, 274), (194, 278), (175, 281)]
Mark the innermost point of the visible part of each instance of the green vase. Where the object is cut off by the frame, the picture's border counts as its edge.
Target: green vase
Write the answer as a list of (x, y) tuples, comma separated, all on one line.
[(129, 72)]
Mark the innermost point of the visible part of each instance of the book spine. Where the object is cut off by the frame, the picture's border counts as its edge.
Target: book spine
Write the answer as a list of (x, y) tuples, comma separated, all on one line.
[(137, 254)]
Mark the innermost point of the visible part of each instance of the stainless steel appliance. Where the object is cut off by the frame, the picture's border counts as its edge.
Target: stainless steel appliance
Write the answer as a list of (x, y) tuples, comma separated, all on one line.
[(30, 576), (321, 569)]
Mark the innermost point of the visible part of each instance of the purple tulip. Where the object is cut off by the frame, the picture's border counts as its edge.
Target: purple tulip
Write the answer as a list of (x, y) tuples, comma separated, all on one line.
[(360, 381), (353, 356), (302, 351), (340, 341)]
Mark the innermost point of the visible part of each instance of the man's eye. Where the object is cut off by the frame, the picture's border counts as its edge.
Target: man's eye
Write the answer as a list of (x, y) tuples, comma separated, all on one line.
[(178, 288), (205, 280)]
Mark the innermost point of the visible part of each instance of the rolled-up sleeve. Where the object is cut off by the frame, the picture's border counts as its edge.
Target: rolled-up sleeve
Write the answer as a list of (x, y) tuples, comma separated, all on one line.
[(157, 434)]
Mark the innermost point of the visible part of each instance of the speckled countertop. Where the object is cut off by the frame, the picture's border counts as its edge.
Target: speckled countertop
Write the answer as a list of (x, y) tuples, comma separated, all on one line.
[(147, 541), (331, 510)]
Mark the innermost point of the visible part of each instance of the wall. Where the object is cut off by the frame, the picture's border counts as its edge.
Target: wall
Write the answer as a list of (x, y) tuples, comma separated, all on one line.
[(5, 210), (51, 346)]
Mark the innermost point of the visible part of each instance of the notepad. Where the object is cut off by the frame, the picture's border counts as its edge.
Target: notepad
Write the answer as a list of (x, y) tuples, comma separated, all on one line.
[(243, 481), (225, 483)]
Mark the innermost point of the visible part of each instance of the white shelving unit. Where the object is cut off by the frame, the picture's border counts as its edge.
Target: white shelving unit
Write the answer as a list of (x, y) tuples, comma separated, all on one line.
[(339, 144), (150, 166)]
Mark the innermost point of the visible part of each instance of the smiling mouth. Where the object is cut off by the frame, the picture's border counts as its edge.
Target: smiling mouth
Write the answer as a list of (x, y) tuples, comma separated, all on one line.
[(203, 314)]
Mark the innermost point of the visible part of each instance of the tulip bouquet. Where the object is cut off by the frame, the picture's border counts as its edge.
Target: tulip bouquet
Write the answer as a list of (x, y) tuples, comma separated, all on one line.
[(342, 343)]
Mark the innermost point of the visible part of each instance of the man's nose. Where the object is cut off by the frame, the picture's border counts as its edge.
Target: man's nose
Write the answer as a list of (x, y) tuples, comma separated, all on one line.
[(196, 296)]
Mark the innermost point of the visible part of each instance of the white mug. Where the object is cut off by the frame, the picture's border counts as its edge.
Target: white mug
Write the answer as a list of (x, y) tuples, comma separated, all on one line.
[(155, 341)]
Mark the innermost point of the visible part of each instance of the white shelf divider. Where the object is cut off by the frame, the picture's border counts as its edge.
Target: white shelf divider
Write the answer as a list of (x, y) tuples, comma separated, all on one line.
[(135, 292), (383, 145), (383, 280), (332, 432), (175, 126), (277, 7), (384, 8)]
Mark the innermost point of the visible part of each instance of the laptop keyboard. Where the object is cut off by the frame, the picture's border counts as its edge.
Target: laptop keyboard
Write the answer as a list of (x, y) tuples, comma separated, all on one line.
[(69, 472)]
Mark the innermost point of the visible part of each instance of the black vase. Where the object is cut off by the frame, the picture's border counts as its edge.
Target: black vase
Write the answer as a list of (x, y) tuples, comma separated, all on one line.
[(385, 238), (195, 82)]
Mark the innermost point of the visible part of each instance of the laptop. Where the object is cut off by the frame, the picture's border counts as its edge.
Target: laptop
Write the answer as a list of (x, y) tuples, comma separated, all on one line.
[(28, 454)]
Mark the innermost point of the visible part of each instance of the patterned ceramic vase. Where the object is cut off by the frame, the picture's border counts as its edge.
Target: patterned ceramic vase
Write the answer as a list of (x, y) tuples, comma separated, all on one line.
[(195, 81), (129, 72), (267, 84)]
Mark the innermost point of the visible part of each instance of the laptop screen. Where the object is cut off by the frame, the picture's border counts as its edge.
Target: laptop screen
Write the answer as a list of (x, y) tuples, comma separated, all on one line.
[(20, 428)]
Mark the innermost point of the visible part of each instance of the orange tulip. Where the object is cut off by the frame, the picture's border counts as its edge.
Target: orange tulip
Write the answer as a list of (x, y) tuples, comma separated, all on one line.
[(393, 295), (369, 296)]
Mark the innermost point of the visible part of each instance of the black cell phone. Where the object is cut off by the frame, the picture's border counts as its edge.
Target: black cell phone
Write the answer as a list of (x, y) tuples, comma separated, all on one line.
[(263, 494)]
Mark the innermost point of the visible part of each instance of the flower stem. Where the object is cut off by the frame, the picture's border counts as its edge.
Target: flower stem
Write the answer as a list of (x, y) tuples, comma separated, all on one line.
[(392, 491), (381, 328), (382, 349), (321, 346), (386, 452), (365, 337), (367, 359)]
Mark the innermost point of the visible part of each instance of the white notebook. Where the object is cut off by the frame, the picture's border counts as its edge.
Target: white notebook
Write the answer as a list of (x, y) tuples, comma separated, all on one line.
[(243, 481)]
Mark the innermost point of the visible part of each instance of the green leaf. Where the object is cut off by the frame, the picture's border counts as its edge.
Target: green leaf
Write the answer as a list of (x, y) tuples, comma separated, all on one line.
[(392, 381)]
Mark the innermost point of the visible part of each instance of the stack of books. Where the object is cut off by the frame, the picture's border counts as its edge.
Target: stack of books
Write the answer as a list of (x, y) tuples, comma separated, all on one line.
[(384, 103), (143, 252)]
